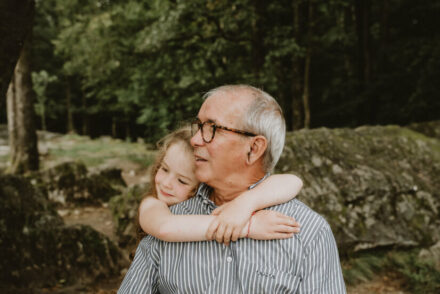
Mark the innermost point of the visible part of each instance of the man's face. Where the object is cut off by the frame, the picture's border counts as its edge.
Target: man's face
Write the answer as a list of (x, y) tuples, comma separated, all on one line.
[(225, 155)]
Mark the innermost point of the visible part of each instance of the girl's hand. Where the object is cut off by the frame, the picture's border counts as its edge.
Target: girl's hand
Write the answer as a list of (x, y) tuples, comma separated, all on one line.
[(231, 219), (269, 224)]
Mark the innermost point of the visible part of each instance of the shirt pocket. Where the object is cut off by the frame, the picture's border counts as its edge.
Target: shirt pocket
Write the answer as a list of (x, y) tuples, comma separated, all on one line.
[(254, 279)]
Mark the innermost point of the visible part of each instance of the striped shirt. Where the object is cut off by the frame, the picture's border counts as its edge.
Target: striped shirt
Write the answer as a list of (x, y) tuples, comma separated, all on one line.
[(305, 263)]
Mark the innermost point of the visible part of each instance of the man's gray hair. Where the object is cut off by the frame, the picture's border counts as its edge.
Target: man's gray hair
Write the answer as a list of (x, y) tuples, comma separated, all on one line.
[(263, 117)]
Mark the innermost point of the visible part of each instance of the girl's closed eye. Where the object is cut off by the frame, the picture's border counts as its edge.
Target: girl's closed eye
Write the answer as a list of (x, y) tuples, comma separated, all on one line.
[(183, 182)]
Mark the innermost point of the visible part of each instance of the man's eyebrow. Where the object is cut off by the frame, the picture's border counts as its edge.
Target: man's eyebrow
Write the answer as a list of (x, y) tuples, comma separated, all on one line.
[(208, 120)]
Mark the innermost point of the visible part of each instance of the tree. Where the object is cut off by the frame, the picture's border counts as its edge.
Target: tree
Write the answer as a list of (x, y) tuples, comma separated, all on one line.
[(21, 118), (15, 24)]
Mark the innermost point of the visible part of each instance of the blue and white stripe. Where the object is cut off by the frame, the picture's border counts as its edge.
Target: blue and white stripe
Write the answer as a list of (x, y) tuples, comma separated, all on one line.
[(305, 263)]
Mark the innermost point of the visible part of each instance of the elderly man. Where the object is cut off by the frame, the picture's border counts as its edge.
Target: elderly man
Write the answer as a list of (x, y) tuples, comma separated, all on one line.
[(238, 138)]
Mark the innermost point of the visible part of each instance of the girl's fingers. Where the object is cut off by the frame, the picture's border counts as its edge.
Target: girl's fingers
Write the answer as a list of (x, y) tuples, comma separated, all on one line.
[(216, 211), (227, 236), (220, 233), (212, 229), (235, 234), (287, 229)]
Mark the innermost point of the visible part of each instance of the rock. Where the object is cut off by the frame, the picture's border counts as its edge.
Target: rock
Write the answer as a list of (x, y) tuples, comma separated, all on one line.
[(431, 254), (124, 210), (377, 186), (430, 129), (38, 250), (70, 183)]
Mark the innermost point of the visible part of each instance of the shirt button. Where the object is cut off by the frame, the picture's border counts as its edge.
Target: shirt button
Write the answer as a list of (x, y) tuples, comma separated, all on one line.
[(229, 259)]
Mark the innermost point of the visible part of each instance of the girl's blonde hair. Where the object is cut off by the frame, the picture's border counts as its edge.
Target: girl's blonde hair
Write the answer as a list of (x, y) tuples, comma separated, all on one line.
[(181, 135)]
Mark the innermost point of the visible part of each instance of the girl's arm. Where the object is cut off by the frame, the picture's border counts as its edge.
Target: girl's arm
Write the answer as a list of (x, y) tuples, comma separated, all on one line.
[(156, 219), (234, 215)]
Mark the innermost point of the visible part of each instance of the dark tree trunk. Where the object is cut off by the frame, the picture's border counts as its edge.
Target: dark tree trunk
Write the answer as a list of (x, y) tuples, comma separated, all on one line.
[(306, 93), (85, 118), (21, 116), (70, 125), (16, 19), (296, 105), (363, 8), (257, 40)]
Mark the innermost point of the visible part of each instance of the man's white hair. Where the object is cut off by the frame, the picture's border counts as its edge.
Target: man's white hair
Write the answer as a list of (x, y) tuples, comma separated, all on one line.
[(263, 117)]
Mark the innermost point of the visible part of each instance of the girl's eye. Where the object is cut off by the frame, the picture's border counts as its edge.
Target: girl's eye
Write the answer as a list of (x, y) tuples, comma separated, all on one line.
[(164, 169), (182, 182)]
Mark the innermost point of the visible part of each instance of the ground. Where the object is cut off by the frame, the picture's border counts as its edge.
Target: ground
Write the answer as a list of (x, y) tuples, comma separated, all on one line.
[(133, 159)]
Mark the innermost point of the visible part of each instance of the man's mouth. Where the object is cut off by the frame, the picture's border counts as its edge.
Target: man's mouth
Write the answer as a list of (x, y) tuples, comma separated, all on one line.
[(199, 159)]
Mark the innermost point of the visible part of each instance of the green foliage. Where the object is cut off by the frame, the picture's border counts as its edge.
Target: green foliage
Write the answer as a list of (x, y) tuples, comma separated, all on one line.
[(144, 65), (419, 276)]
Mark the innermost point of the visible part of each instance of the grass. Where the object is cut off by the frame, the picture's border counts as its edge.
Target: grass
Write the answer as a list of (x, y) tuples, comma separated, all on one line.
[(419, 276), (97, 151), (92, 152)]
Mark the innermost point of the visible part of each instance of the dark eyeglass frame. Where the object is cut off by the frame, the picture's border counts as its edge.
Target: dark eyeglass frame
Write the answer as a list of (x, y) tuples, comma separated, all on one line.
[(214, 127)]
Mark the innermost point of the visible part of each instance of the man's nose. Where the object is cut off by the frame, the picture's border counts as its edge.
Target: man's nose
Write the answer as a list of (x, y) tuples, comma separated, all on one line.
[(197, 139)]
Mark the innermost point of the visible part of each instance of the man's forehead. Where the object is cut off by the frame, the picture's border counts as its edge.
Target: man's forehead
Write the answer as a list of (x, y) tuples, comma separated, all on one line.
[(224, 107)]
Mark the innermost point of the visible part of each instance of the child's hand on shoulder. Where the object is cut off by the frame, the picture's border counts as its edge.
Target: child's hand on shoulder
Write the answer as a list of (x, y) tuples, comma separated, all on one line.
[(231, 218)]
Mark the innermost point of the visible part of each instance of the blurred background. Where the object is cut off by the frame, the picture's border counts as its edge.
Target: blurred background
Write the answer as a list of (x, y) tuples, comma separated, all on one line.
[(88, 87)]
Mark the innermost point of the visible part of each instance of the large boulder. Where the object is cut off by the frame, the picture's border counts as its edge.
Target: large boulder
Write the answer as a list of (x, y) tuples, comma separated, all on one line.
[(377, 186), (124, 209), (72, 183), (37, 249)]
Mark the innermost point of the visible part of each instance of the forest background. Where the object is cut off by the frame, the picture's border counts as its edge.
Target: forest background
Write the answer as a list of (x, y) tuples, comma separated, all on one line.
[(137, 68)]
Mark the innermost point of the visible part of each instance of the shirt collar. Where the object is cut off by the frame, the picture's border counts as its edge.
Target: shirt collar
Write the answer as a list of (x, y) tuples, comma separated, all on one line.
[(204, 190)]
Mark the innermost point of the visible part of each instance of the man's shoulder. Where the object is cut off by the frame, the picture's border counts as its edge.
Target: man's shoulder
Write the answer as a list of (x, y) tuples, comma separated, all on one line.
[(312, 223), (189, 206)]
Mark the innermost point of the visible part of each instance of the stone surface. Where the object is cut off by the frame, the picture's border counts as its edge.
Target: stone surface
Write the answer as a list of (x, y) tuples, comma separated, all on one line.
[(432, 254), (124, 209), (71, 183), (377, 186), (38, 250)]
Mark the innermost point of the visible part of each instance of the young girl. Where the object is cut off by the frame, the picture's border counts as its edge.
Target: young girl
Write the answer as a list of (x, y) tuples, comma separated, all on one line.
[(173, 181)]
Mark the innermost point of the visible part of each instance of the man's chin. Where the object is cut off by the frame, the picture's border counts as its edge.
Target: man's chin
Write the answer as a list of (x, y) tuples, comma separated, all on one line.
[(201, 175)]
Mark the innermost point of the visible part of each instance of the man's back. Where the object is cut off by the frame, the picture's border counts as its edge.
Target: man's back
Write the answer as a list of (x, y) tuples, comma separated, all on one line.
[(305, 263)]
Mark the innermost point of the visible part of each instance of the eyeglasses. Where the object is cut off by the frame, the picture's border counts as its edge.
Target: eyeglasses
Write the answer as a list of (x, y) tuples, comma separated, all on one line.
[(208, 130)]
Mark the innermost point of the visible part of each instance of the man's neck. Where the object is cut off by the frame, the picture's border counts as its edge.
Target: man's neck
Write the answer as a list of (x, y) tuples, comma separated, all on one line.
[(232, 188)]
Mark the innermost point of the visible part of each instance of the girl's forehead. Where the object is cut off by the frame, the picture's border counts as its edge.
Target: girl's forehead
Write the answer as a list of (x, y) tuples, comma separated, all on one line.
[(180, 158)]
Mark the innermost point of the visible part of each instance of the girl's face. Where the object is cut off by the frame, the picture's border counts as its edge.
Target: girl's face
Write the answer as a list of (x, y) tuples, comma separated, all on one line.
[(175, 180)]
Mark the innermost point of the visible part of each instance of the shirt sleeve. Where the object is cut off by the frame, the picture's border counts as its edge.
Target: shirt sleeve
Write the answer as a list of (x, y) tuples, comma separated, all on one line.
[(142, 276), (321, 268)]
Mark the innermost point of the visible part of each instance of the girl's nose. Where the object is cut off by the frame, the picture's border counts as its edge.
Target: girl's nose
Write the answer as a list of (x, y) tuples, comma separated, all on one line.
[(167, 182)]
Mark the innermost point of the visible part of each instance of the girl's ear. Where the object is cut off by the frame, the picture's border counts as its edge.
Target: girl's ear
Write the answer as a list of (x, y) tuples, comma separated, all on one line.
[(257, 146)]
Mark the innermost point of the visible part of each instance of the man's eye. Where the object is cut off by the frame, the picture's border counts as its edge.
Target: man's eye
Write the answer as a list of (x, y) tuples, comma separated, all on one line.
[(183, 182)]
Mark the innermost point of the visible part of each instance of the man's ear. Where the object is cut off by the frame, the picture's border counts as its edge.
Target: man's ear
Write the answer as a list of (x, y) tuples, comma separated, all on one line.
[(257, 146)]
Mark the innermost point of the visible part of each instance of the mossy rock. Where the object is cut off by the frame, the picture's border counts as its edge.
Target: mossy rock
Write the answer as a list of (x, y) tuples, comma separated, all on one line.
[(124, 209), (38, 250), (70, 183), (377, 186)]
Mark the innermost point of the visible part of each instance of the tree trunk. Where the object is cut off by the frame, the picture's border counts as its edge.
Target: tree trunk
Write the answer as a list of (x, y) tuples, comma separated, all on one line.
[(257, 40), (297, 106), (306, 93), (70, 125), (21, 116), (16, 19), (85, 128), (363, 8)]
